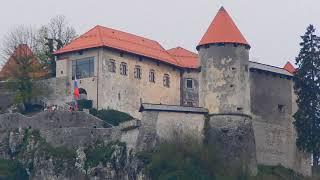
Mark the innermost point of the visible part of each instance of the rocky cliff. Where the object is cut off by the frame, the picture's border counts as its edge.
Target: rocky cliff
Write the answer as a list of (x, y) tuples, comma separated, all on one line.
[(43, 161)]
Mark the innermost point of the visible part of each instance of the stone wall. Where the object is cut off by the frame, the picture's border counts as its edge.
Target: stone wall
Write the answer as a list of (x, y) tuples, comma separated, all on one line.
[(234, 135), (50, 120), (57, 91), (224, 78), (167, 125), (190, 95), (273, 105), (76, 137), (126, 93)]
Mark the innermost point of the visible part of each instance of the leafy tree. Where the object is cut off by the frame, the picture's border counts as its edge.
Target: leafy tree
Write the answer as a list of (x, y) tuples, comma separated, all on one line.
[(307, 88)]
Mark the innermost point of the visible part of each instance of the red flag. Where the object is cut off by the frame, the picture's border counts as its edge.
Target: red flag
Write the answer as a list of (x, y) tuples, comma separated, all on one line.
[(76, 89)]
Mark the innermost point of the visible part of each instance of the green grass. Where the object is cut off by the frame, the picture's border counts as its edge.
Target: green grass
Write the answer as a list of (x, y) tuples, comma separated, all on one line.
[(111, 116), (187, 160)]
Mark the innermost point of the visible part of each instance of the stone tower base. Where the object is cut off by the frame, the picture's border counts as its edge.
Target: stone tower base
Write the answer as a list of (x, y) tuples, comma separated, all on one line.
[(234, 134)]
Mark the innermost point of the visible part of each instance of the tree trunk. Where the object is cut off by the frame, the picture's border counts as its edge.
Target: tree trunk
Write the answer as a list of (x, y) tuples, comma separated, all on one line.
[(315, 160)]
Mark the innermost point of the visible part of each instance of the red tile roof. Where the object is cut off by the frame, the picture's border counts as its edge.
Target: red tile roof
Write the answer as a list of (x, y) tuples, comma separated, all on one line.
[(290, 68), (184, 57), (105, 37), (10, 67), (223, 30)]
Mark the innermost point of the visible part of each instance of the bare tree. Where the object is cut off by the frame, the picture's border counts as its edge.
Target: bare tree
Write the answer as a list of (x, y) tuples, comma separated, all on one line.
[(22, 67), (53, 36), (17, 36)]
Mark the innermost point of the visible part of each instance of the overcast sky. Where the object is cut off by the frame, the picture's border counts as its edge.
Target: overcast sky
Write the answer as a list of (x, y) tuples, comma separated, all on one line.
[(272, 27)]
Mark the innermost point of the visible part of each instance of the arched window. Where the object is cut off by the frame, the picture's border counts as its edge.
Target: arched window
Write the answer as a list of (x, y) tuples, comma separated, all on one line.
[(166, 80), (123, 68), (152, 75), (82, 93), (137, 72)]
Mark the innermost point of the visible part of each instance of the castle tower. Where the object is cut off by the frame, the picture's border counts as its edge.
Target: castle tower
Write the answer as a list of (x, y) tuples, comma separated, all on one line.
[(224, 78), (225, 91)]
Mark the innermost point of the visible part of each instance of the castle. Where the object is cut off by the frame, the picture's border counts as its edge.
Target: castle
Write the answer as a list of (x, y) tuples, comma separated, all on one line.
[(129, 73)]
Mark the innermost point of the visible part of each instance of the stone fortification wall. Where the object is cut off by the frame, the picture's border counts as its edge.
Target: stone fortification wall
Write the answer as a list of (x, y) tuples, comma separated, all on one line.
[(163, 123), (273, 105), (57, 91), (50, 120), (76, 137), (224, 78), (234, 135)]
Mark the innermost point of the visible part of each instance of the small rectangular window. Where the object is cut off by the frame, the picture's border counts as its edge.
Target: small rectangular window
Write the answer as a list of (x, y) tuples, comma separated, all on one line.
[(189, 83), (112, 66), (152, 76), (123, 69), (166, 80), (189, 103), (137, 72), (281, 108)]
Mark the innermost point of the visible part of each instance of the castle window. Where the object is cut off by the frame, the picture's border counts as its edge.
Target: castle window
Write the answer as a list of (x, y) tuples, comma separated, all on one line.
[(189, 83), (112, 66), (123, 69), (137, 72), (189, 103), (281, 108), (83, 68), (121, 54), (166, 80), (152, 76)]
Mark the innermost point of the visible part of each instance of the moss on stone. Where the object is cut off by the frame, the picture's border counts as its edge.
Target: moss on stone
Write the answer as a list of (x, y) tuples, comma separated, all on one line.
[(100, 153), (59, 155)]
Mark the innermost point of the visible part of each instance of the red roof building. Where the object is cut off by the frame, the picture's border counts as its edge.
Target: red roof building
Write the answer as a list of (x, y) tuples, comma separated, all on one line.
[(185, 58), (22, 51), (290, 68), (223, 30), (101, 36)]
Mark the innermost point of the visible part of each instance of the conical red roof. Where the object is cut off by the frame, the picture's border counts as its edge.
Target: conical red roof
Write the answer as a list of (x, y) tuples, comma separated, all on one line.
[(223, 30)]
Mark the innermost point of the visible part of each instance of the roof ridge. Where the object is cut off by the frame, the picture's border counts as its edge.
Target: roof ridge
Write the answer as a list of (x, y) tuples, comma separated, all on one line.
[(133, 42), (178, 63), (267, 65), (127, 33)]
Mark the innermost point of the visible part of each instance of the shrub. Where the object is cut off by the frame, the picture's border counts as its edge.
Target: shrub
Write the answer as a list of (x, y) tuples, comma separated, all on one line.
[(93, 111), (111, 116), (84, 104), (11, 170), (100, 153), (182, 159)]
